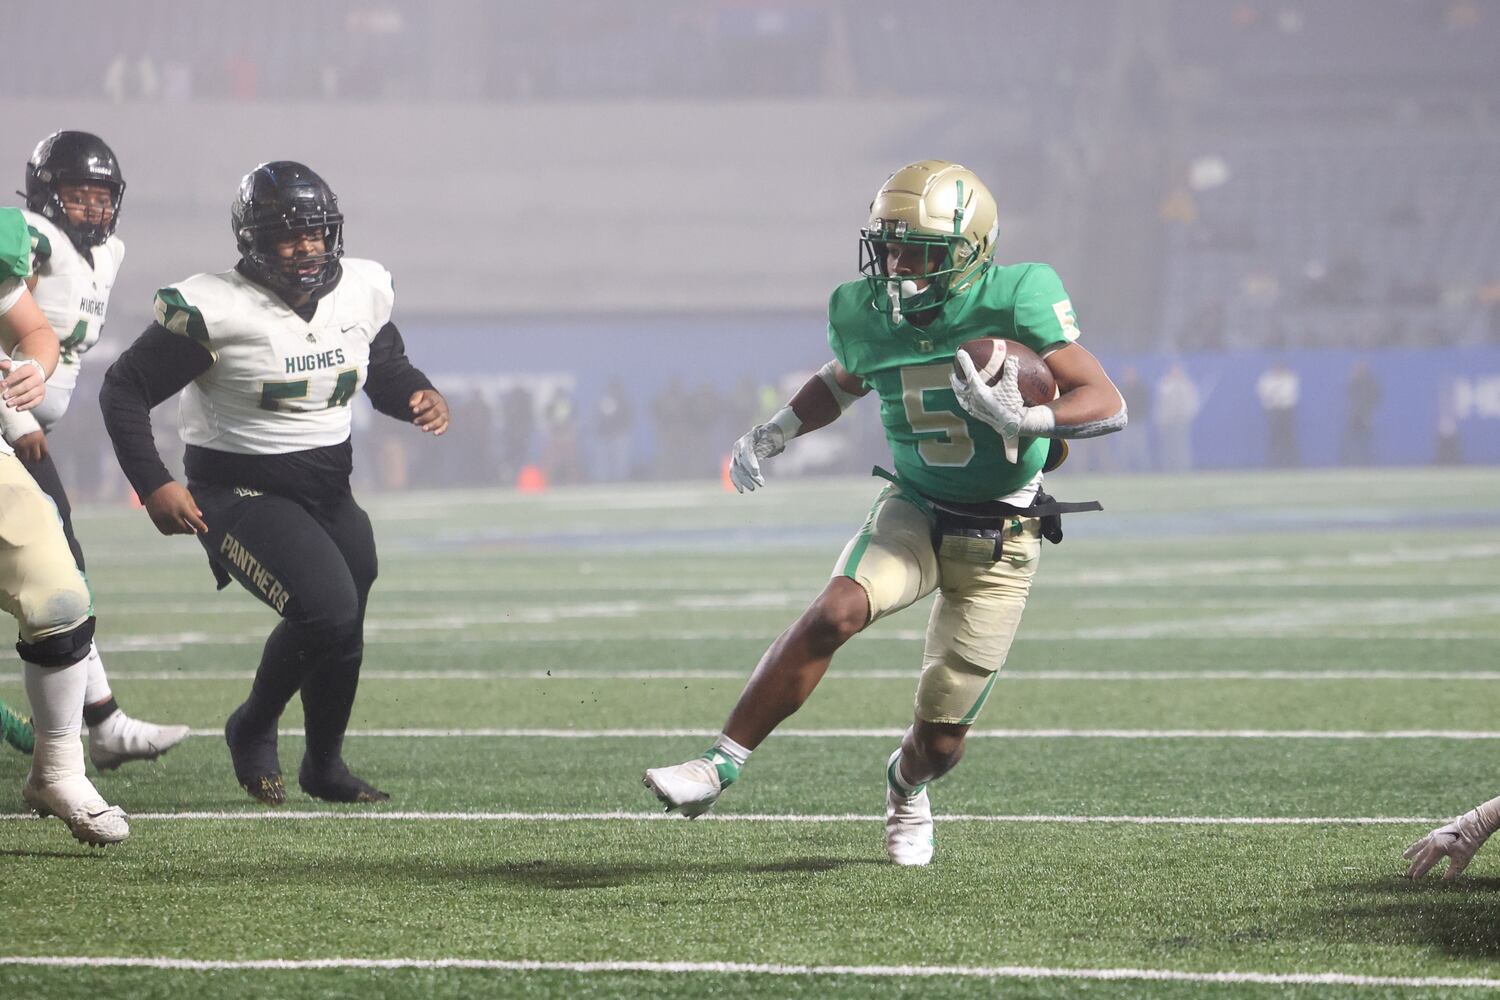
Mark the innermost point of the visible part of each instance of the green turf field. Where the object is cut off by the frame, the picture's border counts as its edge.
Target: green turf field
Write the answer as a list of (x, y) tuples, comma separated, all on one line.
[(1233, 702)]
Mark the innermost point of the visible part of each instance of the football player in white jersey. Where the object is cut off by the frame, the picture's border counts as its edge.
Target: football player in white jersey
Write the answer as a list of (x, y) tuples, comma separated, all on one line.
[(73, 192), (267, 356), (39, 584)]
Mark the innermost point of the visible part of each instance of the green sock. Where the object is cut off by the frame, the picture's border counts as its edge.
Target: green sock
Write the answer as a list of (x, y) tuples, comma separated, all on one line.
[(728, 757), (728, 769)]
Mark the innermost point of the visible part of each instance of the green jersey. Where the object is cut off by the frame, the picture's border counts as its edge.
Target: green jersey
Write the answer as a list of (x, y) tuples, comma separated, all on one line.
[(938, 448), (15, 244)]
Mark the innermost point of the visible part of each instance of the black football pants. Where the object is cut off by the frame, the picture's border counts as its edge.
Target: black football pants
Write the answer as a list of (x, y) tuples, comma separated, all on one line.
[(314, 565), (45, 474)]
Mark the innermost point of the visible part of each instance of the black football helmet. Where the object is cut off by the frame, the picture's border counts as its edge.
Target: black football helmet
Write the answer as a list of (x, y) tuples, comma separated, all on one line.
[(275, 200), (73, 157)]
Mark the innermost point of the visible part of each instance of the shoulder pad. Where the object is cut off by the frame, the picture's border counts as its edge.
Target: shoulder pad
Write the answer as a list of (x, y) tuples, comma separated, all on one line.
[(376, 280), (15, 244), (1043, 310), (41, 246), (177, 313)]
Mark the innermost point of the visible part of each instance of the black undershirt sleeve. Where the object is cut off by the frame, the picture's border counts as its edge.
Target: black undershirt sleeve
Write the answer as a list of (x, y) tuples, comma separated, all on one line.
[(154, 368), (392, 377)]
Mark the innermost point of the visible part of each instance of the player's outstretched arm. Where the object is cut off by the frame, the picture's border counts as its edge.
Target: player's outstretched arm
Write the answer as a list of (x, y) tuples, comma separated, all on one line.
[(1457, 841), (818, 403)]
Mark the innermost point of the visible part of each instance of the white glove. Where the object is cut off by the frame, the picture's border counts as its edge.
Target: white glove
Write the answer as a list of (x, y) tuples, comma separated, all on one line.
[(1457, 841), (999, 405), (762, 441)]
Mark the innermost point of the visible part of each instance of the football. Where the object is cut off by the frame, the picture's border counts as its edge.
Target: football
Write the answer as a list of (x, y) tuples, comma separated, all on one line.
[(1034, 378)]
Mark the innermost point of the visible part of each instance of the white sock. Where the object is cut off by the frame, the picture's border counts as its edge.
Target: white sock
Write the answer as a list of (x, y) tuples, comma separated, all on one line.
[(732, 750), (898, 779), (98, 687), (56, 696)]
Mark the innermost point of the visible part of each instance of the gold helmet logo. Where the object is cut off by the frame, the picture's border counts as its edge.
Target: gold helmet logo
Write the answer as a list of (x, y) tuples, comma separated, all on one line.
[(938, 213)]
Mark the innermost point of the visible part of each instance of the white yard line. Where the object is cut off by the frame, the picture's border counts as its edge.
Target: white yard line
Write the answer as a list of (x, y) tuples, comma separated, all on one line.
[(758, 968), (451, 634), (1123, 676), (812, 818), (897, 733)]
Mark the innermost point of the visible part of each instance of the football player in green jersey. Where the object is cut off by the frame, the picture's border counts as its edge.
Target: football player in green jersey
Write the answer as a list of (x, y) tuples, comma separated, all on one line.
[(963, 514), (39, 584)]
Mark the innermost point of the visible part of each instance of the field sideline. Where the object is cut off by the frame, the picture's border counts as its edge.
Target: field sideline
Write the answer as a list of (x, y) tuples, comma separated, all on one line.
[(1234, 700)]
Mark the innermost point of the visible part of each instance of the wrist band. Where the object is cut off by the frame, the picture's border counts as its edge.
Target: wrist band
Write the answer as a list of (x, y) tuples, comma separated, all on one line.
[(18, 362)]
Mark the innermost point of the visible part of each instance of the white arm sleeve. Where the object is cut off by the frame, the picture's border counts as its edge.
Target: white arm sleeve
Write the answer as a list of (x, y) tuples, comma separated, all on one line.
[(844, 399), (17, 425)]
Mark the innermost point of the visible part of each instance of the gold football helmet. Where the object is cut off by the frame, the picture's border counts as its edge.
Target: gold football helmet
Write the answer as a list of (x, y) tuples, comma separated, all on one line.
[(947, 213)]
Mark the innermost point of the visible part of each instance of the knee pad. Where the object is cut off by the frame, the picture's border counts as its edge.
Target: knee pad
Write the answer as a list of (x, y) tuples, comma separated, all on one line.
[(60, 650), (953, 690)]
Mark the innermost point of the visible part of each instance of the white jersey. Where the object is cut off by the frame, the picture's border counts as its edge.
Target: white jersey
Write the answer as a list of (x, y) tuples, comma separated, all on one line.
[(11, 290), (73, 293), (278, 383)]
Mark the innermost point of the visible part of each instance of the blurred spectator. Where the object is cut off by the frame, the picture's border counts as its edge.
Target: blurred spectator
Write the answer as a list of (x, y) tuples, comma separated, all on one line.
[(474, 456), (1176, 408), (702, 443), (1279, 390), (243, 75), (115, 83), (517, 423), (1134, 445), (1450, 449), (1362, 394), (561, 448), (613, 418), (176, 81), (127, 80), (669, 416)]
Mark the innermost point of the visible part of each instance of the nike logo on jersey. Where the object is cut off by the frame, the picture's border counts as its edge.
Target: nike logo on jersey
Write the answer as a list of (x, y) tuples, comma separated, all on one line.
[(346, 329)]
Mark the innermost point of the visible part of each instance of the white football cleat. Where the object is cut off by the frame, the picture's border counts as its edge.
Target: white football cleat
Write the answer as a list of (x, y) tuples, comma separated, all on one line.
[(908, 822), (77, 803), (691, 787), (121, 739)]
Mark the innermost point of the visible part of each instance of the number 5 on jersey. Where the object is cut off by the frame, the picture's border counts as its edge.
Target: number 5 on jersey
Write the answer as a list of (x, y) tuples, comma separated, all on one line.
[(273, 394)]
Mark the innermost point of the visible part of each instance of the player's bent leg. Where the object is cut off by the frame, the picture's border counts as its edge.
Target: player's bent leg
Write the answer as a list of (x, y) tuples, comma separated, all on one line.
[(780, 684), (789, 671), (885, 567), (927, 752), (278, 552), (114, 737), (57, 785), (328, 691), (888, 565), (909, 836), (969, 634), (42, 588)]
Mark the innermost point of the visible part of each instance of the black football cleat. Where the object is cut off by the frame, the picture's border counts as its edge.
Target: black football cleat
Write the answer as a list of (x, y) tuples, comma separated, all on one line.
[(256, 766), (335, 783)]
